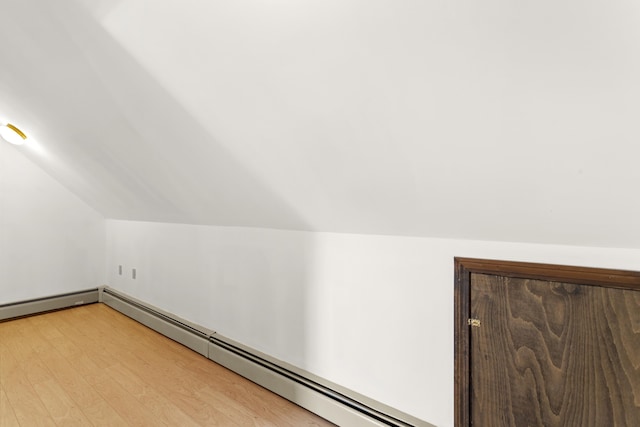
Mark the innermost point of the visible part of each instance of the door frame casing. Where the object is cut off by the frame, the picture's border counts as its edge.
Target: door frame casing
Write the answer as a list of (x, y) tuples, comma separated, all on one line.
[(464, 267)]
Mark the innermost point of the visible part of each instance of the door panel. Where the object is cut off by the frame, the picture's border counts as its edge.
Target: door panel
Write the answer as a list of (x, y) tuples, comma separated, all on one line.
[(553, 354)]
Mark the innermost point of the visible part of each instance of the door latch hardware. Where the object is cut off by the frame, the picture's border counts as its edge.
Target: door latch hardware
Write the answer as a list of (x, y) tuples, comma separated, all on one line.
[(474, 322)]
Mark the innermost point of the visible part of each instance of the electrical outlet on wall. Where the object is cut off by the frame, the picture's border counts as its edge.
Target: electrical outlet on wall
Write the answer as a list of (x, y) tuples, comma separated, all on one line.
[(133, 273), (120, 270)]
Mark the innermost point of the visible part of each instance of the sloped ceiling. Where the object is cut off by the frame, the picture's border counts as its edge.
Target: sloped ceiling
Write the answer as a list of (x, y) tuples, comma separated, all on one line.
[(495, 120)]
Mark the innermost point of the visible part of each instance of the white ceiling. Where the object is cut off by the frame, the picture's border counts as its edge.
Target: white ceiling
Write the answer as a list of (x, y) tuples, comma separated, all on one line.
[(495, 120)]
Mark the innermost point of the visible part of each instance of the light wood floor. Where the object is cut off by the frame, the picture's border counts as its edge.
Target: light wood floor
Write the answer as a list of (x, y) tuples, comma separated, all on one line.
[(93, 366)]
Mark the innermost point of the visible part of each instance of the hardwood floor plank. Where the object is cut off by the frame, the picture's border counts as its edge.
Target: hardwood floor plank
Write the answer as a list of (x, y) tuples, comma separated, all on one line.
[(62, 409), (92, 365), (8, 363), (149, 397), (27, 357), (101, 414), (26, 403), (70, 380), (127, 406), (7, 416)]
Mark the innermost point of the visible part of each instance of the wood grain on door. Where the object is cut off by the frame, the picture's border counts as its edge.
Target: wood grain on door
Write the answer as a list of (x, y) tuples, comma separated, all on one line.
[(549, 353)]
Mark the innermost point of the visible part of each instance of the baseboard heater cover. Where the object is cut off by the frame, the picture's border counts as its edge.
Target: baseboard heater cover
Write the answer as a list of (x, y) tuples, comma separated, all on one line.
[(187, 335), (297, 392), (41, 305), (330, 404), (308, 391)]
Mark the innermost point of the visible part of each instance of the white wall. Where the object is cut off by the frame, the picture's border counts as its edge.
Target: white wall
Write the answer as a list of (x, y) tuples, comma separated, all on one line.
[(50, 241), (372, 313)]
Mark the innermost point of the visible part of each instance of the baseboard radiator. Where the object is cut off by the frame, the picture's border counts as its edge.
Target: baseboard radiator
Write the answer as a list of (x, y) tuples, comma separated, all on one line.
[(42, 305), (330, 401), (336, 404)]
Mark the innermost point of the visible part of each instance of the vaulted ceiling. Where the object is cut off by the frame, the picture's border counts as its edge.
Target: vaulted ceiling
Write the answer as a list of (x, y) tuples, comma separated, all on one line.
[(495, 120)]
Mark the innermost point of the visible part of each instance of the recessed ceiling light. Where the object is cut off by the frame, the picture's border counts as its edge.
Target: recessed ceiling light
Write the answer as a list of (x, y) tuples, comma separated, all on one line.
[(12, 134)]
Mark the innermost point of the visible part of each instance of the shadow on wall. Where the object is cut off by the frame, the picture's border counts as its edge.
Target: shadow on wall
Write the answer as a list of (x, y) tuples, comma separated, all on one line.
[(148, 159), (133, 151), (251, 285)]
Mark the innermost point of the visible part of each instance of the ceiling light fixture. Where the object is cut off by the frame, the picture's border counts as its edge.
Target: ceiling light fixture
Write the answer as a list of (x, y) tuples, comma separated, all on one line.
[(12, 134)]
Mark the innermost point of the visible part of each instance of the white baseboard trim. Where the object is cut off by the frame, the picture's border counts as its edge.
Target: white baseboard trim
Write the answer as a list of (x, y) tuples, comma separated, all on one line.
[(41, 305)]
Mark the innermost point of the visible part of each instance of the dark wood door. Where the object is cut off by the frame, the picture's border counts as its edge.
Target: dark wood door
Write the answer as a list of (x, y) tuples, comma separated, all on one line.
[(549, 353)]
